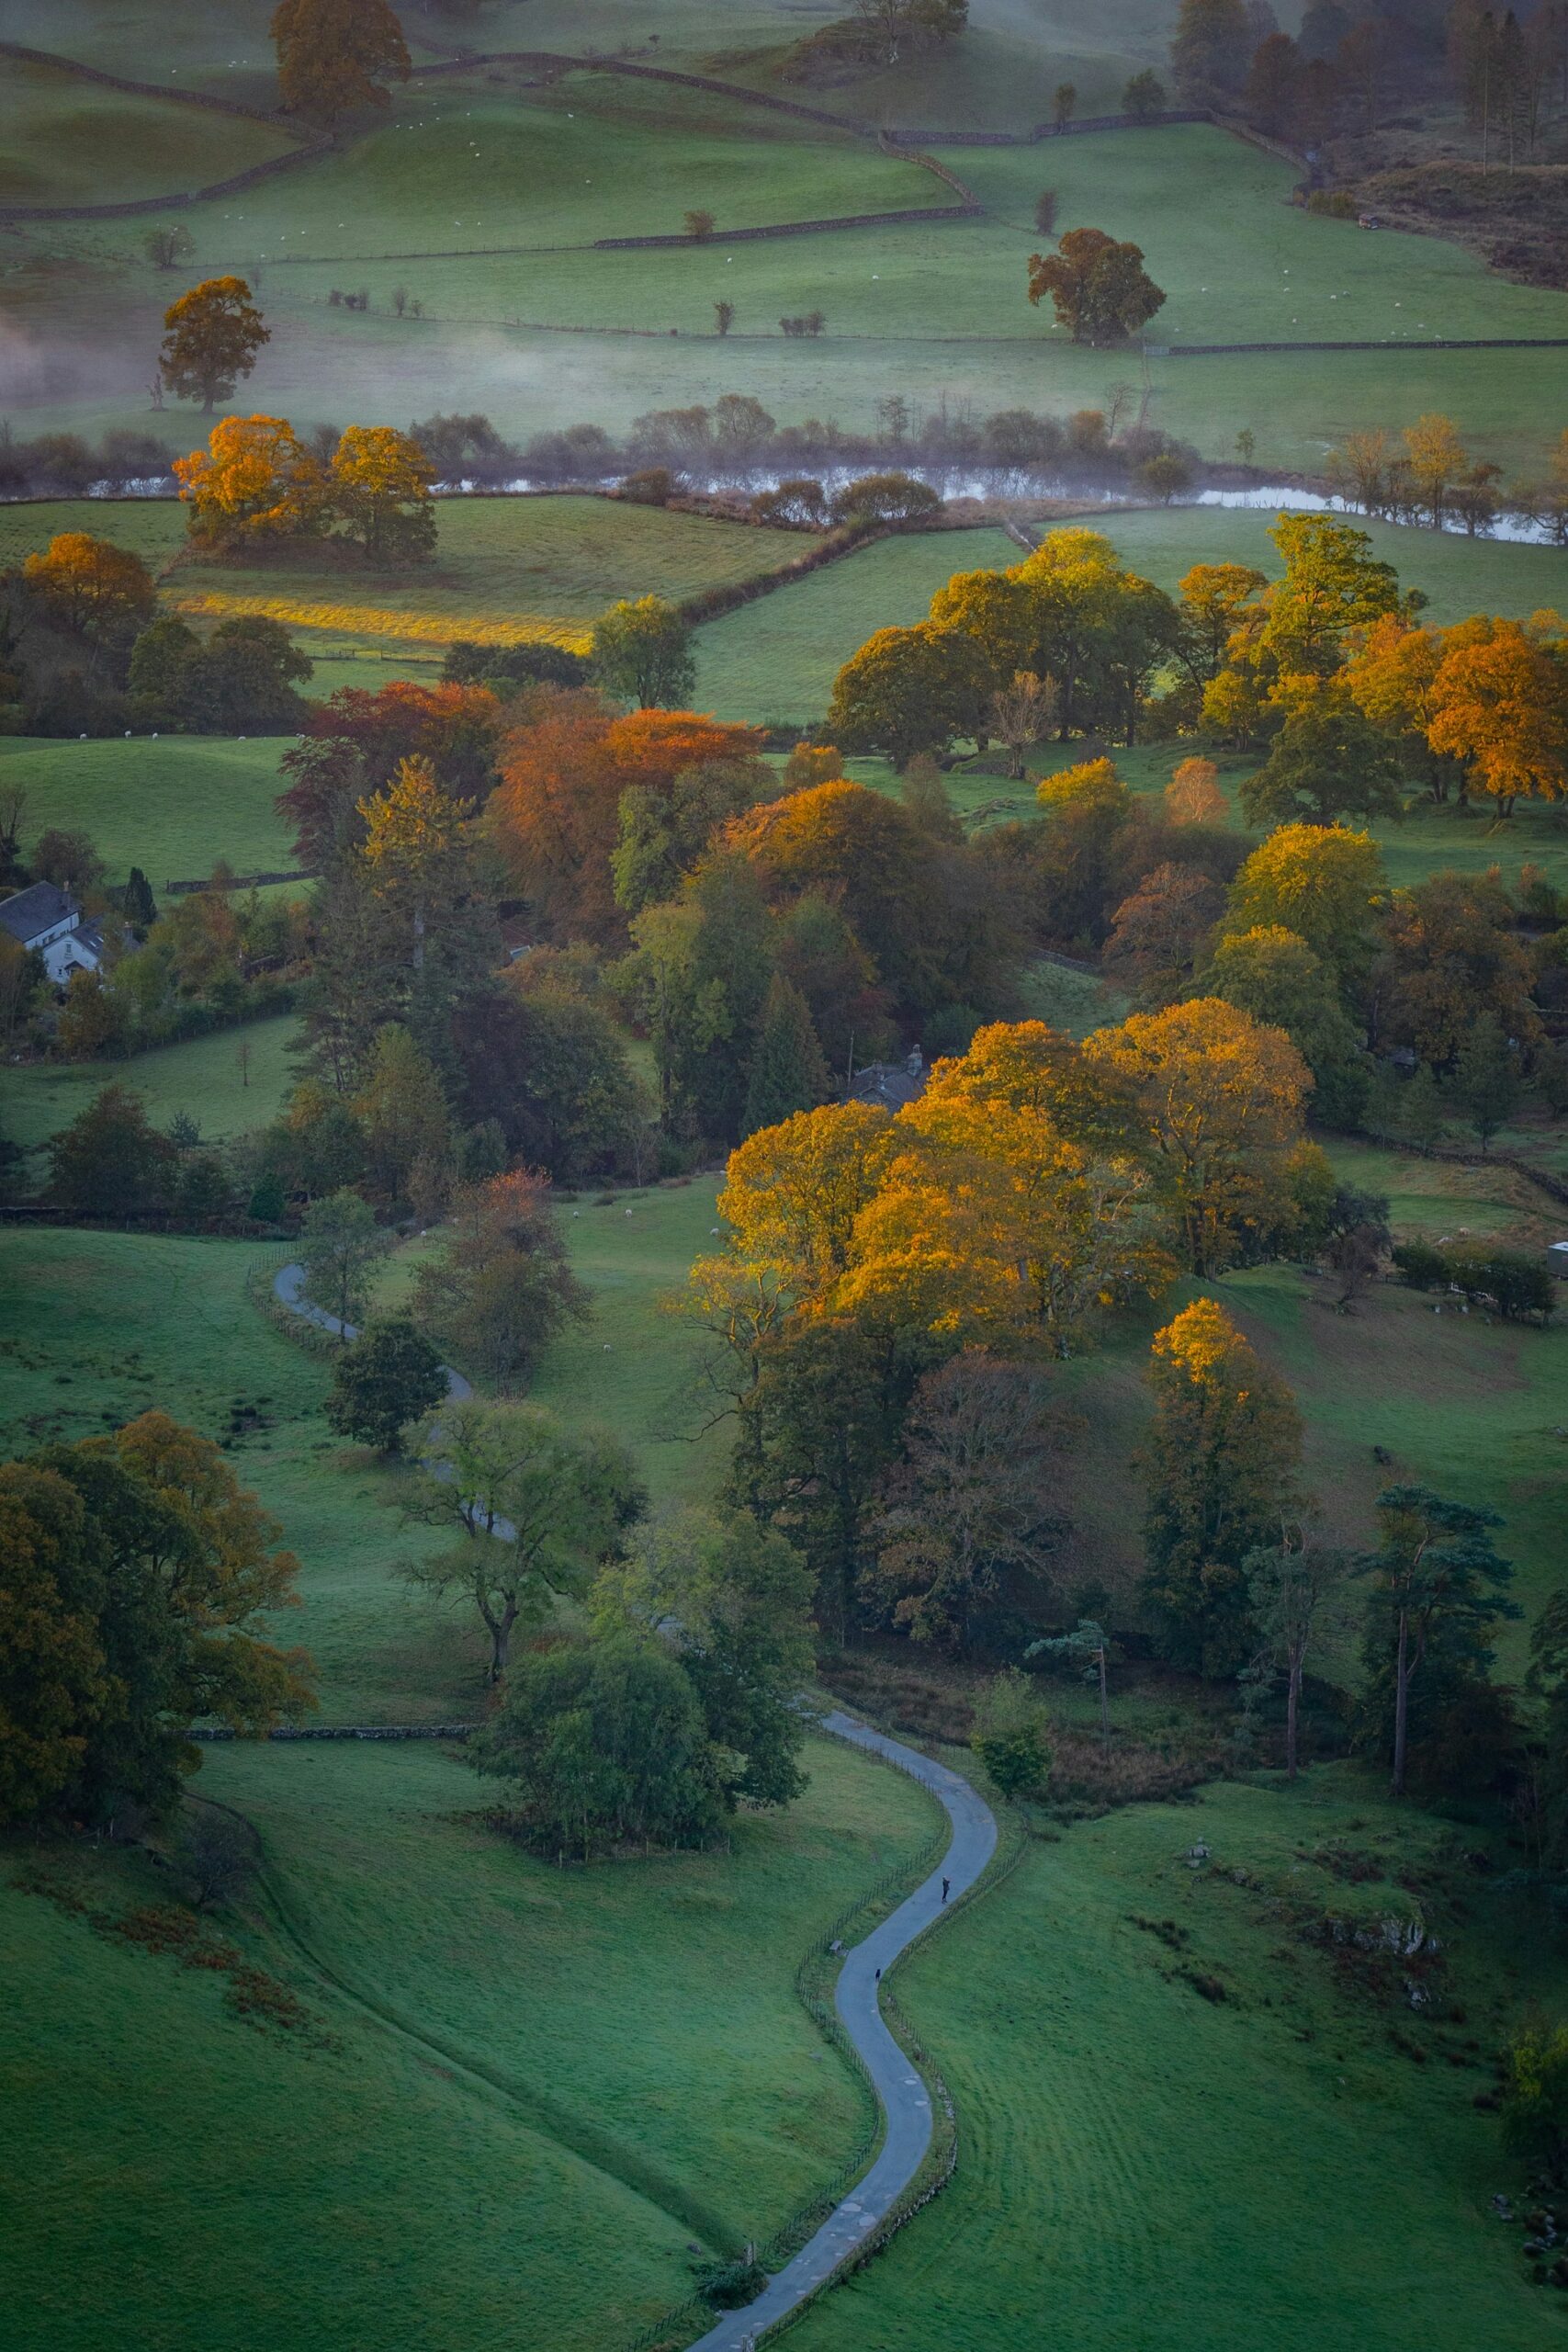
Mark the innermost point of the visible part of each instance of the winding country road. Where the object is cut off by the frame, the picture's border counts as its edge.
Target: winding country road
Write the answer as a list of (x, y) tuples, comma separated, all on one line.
[(904, 2099)]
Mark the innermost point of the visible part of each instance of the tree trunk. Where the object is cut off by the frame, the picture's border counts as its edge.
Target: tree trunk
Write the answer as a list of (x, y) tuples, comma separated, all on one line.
[(1401, 1702), (1104, 1703), (1292, 1709)]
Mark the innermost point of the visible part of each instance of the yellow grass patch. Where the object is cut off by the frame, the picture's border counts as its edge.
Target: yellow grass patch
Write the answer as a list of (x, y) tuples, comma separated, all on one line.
[(382, 620)]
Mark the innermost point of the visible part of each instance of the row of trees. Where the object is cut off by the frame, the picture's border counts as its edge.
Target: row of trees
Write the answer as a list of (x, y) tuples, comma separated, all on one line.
[(1427, 475), (1330, 666)]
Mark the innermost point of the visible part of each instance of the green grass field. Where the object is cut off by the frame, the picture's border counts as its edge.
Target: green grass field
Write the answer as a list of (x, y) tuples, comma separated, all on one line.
[(504, 568), (66, 141), (1147, 2170), (553, 2023), (229, 1082), (174, 806)]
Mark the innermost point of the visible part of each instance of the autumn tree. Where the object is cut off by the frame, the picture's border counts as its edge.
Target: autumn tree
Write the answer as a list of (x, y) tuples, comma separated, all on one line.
[(139, 1575), (1452, 954), (1158, 934), (1210, 48), (1390, 675), (211, 337), (353, 741), (1100, 288), (1022, 714), (1222, 1461), (1193, 795), (1274, 79), (1438, 1591), (1332, 584), (642, 652), (333, 56), (400, 1105), (794, 1192), (538, 1507), (1324, 883), (1435, 461), (1500, 703), (91, 587), (380, 489), (255, 480), (970, 1502), (499, 1288), (1221, 1098), (1213, 601)]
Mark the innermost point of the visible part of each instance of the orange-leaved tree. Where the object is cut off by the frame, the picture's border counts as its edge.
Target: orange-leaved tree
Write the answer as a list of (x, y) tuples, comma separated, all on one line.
[(380, 489), (1501, 702), (556, 813), (1222, 1100), (255, 480), (90, 586)]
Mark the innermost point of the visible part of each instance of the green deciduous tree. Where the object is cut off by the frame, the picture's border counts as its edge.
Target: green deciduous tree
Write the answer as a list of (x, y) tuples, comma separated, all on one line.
[(539, 1507), (387, 1378), (1326, 762), (111, 1162), (339, 1242), (603, 1744), (733, 1601), (1013, 1735), (642, 652), (1488, 1084)]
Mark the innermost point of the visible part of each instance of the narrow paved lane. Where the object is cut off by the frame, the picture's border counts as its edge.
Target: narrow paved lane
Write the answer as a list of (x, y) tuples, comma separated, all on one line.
[(905, 2102), (904, 2099)]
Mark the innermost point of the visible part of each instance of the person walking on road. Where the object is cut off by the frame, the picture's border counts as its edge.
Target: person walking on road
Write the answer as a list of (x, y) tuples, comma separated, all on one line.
[(946, 1884)]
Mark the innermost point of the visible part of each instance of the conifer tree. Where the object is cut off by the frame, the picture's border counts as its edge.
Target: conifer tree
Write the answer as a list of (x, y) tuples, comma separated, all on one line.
[(788, 1073)]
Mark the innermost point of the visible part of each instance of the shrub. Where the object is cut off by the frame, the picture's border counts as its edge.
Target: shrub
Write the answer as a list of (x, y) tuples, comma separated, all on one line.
[(1011, 1736), (651, 486), (1420, 1265)]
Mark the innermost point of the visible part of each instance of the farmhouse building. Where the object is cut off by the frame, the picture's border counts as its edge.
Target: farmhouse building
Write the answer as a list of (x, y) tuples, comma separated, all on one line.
[(47, 921), (891, 1084)]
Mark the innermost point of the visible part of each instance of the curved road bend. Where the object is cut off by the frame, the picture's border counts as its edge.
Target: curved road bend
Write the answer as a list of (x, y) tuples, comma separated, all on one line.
[(905, 2102), (903, 2097)]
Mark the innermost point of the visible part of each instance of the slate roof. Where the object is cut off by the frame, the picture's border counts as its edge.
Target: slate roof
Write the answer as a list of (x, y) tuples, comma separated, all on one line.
[(35, 910)]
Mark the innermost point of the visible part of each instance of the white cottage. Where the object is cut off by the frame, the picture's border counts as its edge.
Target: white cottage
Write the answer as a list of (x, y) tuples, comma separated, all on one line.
[(47, 921)]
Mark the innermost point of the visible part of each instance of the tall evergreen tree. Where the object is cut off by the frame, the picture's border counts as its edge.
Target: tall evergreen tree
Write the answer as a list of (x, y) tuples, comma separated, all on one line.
[(788, 1073)]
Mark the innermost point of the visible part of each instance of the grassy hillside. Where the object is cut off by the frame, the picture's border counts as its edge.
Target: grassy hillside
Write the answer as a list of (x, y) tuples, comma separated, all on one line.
[(552, 2023), (174, 806), (229, 1082), (67, 140), (1160, 2172)]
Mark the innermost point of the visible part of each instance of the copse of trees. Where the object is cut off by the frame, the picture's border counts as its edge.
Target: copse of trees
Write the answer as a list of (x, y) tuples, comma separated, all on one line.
[(257, 483)]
